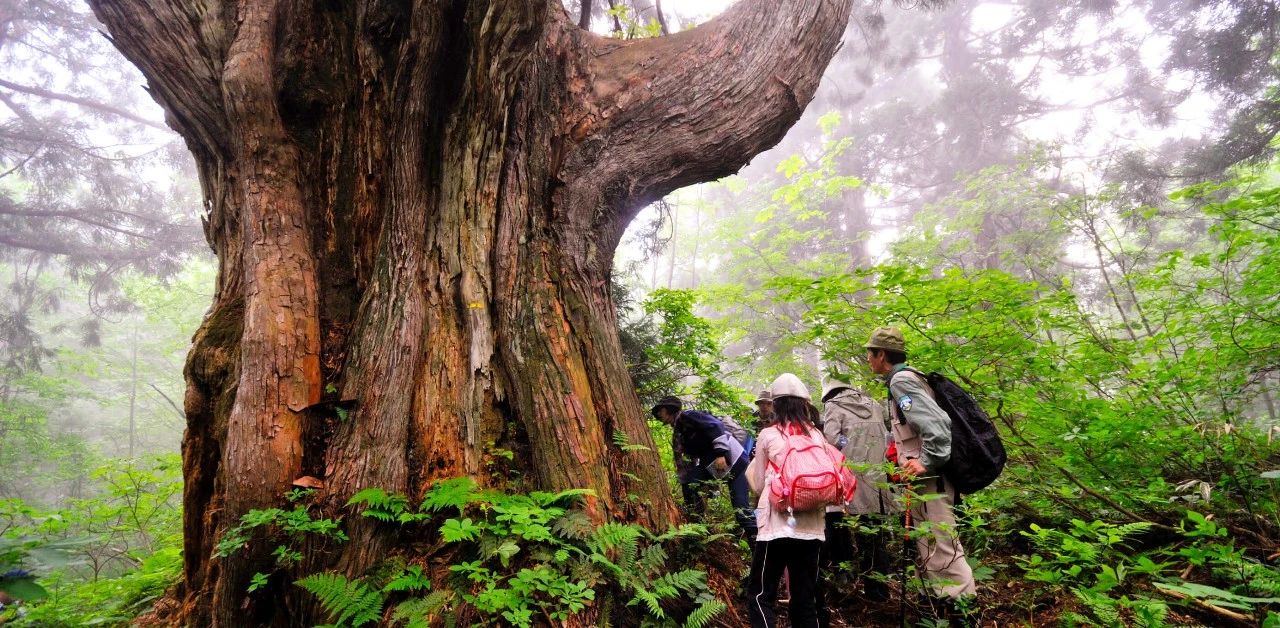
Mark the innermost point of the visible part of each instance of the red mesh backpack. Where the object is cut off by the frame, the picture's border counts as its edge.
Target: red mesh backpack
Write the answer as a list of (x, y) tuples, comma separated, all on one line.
[(811, 474)]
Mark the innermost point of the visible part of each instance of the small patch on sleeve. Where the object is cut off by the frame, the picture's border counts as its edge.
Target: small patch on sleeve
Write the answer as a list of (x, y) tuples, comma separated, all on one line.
[(904, 403)]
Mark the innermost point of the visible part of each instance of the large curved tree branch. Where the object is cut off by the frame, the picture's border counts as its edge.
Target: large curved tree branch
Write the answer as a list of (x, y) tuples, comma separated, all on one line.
[(672, 111)]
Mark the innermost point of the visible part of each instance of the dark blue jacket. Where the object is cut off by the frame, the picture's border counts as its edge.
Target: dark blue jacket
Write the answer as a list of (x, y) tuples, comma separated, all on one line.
[(695, 436)]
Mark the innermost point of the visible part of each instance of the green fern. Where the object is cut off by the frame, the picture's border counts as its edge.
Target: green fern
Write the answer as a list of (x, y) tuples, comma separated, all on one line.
[(650, 600), (652, 559), (1125, 531), (418, 612), (411, 579), (452, 493), (684, 531), (563, 498), (1101, 606), (687, 580), (347, 602), (624, 443), (703, 615), (380, 505), (574, 524), (623, 537)]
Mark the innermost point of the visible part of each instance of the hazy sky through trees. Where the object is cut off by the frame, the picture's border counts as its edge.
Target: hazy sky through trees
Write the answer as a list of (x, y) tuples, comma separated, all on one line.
[(1092, 117)]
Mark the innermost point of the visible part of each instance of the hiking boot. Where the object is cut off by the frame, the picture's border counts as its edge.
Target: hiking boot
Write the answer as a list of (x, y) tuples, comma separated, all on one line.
[(875, 590)]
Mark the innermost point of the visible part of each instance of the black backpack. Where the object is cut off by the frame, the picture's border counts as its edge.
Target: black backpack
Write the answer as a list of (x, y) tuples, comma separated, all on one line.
[(977, 455)]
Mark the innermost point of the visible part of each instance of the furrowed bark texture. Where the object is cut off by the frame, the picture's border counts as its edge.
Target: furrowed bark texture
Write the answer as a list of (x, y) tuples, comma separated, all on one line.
[(415, 207)]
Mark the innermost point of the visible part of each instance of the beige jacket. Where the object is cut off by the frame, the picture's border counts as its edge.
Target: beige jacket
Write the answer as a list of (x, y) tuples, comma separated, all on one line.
[(772, 524), (855, 419)]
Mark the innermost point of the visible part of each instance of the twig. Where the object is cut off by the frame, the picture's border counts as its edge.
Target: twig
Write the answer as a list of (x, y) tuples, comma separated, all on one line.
[(1210, 607)]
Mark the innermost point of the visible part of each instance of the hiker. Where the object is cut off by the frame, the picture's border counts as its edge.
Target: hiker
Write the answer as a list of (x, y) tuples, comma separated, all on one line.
[(854, 423), (786, 540), (705, 451), (922, 437), (764, 409)]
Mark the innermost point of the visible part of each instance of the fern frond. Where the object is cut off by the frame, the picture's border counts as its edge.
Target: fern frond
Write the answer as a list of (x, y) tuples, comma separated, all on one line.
[(346, 601), (624, 443), (652, 560), (1102, 607), (687, 580), (1130, 529), (625, 538), (703, 615), (418, 612), (650, 601), (614, 534), (379, 504), (452, 493), (604, 562), (683, 531), (545, 499), (410, 579), (574, 524)]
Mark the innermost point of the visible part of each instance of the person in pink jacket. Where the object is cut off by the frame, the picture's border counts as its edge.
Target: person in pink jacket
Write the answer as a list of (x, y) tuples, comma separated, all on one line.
[(784, 542)]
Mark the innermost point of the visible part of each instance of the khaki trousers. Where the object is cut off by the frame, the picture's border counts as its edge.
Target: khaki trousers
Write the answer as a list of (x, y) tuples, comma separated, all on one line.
[(939, 554)]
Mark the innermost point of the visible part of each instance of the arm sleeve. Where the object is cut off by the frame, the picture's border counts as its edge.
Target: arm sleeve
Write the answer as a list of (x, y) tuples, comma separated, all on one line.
[(712, 429), (760, 464), (684, 466), (834, 424), (927, 419)]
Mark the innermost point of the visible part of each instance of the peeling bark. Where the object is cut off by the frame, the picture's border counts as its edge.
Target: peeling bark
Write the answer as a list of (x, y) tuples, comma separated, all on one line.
[(417, 203)]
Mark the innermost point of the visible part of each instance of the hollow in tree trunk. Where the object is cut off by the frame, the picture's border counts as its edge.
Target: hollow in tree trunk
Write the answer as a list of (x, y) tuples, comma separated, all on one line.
[(415, 207)]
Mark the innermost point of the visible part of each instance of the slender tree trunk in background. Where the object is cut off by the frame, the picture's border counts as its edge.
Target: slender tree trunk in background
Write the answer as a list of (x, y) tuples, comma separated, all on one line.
[(1267, 400), (584, 18), (672, 245), (133, 391), (416, 204), (662, 19), (697, 238), (617, 23), (645, 10)]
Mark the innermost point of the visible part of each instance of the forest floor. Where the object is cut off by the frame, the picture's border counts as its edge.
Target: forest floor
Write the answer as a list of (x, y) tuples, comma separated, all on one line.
[(1003, 603), (1017, 604)]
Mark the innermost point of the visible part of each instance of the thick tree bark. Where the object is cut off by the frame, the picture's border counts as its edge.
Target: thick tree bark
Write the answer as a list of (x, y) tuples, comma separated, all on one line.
[(416, 204)]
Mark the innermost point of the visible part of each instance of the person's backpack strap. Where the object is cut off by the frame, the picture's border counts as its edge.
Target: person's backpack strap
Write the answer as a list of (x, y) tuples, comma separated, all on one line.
[(893, 401), (924, 378)]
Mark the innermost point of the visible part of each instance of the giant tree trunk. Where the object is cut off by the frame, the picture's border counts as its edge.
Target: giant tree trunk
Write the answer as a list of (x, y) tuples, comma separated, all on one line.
[(415, 205)]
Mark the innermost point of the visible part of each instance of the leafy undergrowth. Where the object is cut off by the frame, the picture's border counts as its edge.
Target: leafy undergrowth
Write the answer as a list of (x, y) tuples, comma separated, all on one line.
[(1092, 574), (482, 556), (99, 560), (475, 556)]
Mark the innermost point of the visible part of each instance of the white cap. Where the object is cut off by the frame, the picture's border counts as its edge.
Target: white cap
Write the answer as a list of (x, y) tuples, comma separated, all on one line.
[(831, 385), (788, 385)]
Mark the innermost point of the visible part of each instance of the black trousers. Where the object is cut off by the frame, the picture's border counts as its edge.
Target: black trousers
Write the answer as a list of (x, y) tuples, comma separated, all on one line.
[(837, 549), (739, 495), (871, 550), (864, 552), (768, 560)]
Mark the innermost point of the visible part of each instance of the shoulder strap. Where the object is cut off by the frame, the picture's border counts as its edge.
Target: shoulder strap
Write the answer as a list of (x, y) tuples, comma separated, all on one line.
[(893, 401), (924, 379)]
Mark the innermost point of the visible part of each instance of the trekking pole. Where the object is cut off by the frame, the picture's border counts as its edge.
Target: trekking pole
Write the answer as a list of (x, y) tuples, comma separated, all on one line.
[(902, 580)]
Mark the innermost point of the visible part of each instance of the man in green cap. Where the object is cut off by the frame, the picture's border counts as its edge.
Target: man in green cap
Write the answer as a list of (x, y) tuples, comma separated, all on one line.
[(922, 433)]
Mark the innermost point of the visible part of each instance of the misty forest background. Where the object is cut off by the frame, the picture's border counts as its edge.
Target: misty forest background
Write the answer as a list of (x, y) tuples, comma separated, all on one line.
[(1071, 207)]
